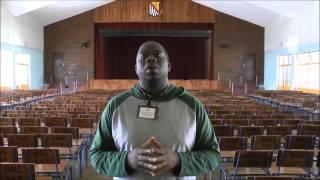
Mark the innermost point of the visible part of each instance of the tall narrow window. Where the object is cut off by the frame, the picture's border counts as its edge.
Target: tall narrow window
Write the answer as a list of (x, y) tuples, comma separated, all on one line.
[(6, 64), (283, 72), (307, 72), (22, 70)]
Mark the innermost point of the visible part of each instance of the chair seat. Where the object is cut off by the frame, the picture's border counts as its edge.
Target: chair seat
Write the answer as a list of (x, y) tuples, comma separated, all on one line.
[(227, 154), (242, 171), (43, 178), (51, 168), (288, 171)]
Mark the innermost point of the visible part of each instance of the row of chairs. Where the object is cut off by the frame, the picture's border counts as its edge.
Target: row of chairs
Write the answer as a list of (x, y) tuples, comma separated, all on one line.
[(267, 142), (6, 123), (260, 162), (283, 130), (46, 161)]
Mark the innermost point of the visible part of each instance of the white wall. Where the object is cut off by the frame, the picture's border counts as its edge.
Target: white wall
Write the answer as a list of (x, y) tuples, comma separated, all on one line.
[(302, 29), (290, 36), (21, 31)]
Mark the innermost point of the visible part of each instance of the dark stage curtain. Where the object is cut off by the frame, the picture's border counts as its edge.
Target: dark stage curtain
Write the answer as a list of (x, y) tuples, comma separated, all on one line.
[(115, 57)]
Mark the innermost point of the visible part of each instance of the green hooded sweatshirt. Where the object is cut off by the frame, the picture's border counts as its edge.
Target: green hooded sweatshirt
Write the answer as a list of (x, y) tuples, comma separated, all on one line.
[(181, 123)]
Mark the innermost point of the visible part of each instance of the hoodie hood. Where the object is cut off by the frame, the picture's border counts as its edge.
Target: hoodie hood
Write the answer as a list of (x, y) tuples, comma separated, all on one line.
[(170, 93)]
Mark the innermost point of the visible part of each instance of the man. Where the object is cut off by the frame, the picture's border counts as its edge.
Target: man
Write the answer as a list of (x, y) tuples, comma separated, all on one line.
[(154, 129)]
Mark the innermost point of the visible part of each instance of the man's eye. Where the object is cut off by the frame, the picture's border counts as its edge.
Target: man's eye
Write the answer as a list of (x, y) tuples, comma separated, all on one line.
[(157, 55)]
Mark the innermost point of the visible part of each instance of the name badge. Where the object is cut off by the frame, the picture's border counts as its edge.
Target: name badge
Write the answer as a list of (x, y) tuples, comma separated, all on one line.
[(146, 112)]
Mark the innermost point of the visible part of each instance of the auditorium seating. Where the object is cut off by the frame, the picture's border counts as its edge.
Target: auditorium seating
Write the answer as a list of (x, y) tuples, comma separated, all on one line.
[(241, 125)]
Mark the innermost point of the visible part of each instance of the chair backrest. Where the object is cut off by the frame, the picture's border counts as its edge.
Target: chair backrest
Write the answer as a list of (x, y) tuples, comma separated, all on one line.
[(293, 122), (269, 142), (8, 130), (239, 122), (279, 130), (216, 122), (33, 129), (1, 140), (56, 140), (56, 121), (40, 156), (81, 122), (253, 158), (266, 122), (300, 142), (250, 130), (295, 158), (7, 121), (22, 140), (309, 129), (232, 143), (223, 130), (17, 171), (8, 154), (67, 130), (29, 122)]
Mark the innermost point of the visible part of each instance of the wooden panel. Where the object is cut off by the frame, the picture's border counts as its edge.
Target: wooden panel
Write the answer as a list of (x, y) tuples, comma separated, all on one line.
[(127, 84), (137, 11)]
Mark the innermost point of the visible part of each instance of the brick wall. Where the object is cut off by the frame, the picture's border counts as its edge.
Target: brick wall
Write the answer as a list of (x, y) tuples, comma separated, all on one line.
[(240, 38), (64, 38)]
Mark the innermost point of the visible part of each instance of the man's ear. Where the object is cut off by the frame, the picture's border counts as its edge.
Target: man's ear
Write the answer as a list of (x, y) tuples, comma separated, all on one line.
[(169, 66)]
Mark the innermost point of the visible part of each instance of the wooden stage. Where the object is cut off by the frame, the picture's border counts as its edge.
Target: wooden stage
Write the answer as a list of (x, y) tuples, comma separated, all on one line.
[(116, 84)]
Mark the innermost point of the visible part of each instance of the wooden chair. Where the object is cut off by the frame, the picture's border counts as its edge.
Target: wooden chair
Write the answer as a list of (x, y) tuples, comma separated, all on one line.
[(248, 163), (223, 130), (56, 121), (33, 129), (21, 171), (300, 142), (248, 131), (68, 130), (29, 122), (309, 129), (84, 124), (46, 160), (269, 142), (294, 162), (61, 141), (279, 130), (8, 130), (228, 145), (8, 154), (22, 140)]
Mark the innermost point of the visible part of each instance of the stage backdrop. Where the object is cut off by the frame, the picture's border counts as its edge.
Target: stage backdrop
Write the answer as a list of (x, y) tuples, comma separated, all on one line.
[(184, 28)]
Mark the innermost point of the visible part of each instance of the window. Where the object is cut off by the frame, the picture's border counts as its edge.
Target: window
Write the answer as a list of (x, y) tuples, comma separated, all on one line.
[(22, 71), (7, 69), (307, 71), (283, 72), (15, 70)]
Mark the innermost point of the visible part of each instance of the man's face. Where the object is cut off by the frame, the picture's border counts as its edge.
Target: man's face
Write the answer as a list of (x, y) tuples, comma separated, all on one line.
[(152, 61)]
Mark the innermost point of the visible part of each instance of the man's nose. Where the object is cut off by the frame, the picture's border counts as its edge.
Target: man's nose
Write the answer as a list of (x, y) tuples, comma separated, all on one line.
[(151, 59)]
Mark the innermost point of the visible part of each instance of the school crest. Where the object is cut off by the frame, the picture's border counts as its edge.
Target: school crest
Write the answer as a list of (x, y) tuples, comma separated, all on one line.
[(155, 8)]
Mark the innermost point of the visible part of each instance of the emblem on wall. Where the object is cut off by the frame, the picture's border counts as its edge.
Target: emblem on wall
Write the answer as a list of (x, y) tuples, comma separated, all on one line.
[(155, 8)]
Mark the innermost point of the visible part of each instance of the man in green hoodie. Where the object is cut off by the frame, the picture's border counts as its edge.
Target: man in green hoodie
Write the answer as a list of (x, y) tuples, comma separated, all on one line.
[(154, 130)]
